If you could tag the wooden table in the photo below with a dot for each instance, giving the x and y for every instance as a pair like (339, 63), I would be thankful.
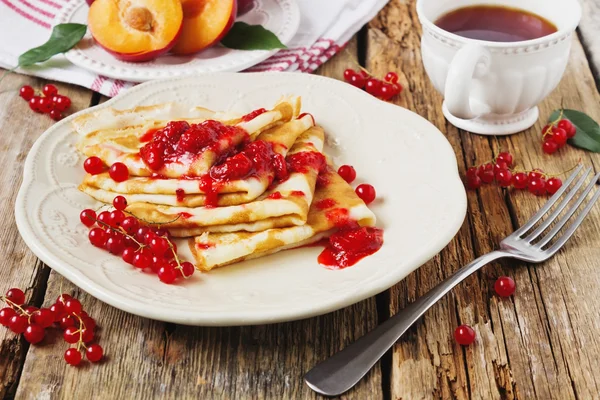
(542, 343)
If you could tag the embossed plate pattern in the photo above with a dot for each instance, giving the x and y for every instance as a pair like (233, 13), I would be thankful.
(421, 205)
(279, 16)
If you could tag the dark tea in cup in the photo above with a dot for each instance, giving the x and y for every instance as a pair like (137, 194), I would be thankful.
(495, 24)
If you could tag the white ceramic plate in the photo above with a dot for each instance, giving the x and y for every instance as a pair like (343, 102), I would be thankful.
(282, 17)
(421, 205)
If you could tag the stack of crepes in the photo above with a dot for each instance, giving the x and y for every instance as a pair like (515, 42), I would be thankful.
(235, 187)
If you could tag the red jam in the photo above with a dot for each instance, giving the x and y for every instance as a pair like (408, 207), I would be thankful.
(301, 162)
(349, 245)
(148, 135)
(253, 114)
(305, 114)
(325, 203)
(180, 195)
(204, 246)
(179, 139)
(185, 215)
(211, 189)
(275, 196)
(339, 216)
(297, 193)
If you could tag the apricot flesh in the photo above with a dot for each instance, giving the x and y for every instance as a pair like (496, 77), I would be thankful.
(205, 22)
(136, 31)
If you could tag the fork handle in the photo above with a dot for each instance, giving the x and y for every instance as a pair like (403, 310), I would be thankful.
(344, 369)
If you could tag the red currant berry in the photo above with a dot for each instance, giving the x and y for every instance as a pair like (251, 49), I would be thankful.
(552, 185)
(357, 81)
(62, 299)
(55, 115)
(98, 237)
(34, 104)
(116, 218)
(87, 335)
(16, 295)
(372, 86)
(49, 90)
(349, 73)
(104, 218)
(118, 172)
(93, 165)
(26, 92)
(391, 77)
(505, 157)
(44, 317)
(89, 323)
(158, 245)
(18, 323)
(128, 255)
(486, 173)
(472, 173)
(130, 224)
(167, 274)
(34, 333)
(66, 322)
(88, 217)
(141, 260)
(568, 126)
(559, 136)
(58, 310)
(45, 104)
(504, 286)
(187, 269)
(537, 186)
(536, 173)
(500, 166)
(31, 309)
(120, 203)
(162, 232)
(5, 315)
(520, 180)
(504, 178)
(347, 172)
(464, 335)
(73, 306)
(72, 356)
(61, 103)
(94, 353)
(473, 183)
(366, 192)
(549, 147)
(115, 244)
(386, 91)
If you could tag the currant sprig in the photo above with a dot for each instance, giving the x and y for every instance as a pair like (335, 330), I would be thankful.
(66, 313)
(556, 134)
(500, 170)
(137, 243)
(49, 101)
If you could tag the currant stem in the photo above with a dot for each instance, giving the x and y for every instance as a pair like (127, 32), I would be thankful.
(553, 123)
(120, 230)
(15, 305)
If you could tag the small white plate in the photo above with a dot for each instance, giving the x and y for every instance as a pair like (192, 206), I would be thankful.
(421, 204)
(281, 17)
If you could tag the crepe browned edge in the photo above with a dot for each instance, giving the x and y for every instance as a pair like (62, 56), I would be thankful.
(239, 214)
(337, 189)
(282, 137)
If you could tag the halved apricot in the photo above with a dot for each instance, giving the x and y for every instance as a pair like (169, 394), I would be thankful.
(136, 31)
(205, 22)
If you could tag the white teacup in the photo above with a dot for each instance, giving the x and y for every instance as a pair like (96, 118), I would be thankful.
(493, 88)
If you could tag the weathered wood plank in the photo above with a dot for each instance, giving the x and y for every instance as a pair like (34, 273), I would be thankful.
(528, 346)
(589, 33)
(149, 359)
(19, 127)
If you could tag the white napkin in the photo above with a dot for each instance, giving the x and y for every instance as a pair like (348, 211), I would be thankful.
(324, 29)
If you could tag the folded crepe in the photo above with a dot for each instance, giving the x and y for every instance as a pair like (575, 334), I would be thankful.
(198, 140)
(191, 192)
(335, 205)
(286, 204)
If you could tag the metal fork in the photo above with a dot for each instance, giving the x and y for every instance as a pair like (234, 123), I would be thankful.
(343, 370)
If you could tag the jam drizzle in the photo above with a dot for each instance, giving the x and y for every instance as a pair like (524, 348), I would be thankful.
(250, 116)
(325, 203)
(180, 195)
(349, 245)
(275, 196)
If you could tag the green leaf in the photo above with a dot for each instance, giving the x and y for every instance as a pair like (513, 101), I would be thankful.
(588, 130)
(63, 38)
(251, 37)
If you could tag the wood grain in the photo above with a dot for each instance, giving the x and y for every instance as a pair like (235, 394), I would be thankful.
(149, 359)
(588, 32)
(528, 346)
(19, 127)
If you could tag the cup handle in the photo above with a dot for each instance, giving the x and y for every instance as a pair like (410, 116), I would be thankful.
(471, 62)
